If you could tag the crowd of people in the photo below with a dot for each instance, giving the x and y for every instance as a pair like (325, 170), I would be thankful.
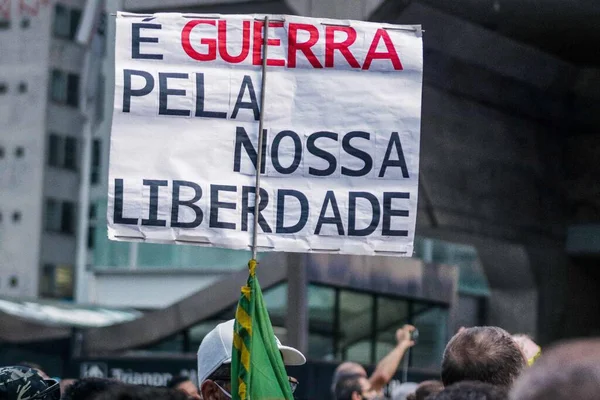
(479, 363)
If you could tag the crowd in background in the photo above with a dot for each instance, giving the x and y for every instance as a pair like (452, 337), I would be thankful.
(479, 363)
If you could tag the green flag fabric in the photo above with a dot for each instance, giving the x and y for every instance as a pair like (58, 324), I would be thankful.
(257, 369)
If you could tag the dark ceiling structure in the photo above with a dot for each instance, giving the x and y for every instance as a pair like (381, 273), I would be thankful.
(568, 29)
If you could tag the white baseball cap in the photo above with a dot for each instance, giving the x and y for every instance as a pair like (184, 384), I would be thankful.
(215, 350)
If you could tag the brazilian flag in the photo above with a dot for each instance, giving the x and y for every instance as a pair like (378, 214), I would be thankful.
(257, 370)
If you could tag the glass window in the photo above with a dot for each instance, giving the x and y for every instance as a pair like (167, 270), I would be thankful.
(58, 86)
(99, 112)
(54, 150)
(25, 23)
(16, 217)
(73, 90)
(61, 21)
(47, 280)
(276, 302)
(4, 24)
(63, 281)
(356, 326)
(74, 23)
(52, 215)
(3, 88)
(22, 87)
(321, 322)
(19, 151)
(96, 161)
(70, 161)
(432, 325)
(91, 238)
(67, 221)
(391, 315)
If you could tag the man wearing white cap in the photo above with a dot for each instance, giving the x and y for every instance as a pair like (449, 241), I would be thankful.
(214, 362)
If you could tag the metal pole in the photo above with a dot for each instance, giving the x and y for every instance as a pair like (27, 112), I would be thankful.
(259, 156)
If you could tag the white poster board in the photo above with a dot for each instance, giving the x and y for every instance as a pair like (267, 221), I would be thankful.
(342, 128)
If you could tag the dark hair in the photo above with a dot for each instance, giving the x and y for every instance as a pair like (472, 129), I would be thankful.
(176, 381)
(347, 385)
(486, 354)
(469, 390)
(426, 388)
(570, 370)
(135, 392)
(84, 389)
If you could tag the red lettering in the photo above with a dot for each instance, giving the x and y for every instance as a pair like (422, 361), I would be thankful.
(390, 54)
(223, 43)
(187, 46)
(294, 46)
(258, 43)
(343, 47)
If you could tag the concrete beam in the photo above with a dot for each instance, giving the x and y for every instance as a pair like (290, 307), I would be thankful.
(161, 324)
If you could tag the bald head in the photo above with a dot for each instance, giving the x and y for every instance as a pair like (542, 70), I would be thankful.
(570, 370)
(347, 369)
(486, 354)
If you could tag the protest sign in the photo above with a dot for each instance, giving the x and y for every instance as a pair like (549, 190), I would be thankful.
(341, 126)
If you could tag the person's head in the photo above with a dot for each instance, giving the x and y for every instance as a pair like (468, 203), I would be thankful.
(34, 366)
(184, 384)
(214, 362)
(19, 382)
(569, 370)
(471, 390)
(136, 392)
(354, 387)
(486, 354)
(345, 369)
(84, 389)
(426, 388)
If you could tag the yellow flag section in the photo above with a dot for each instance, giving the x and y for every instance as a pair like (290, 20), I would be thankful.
(257, 370)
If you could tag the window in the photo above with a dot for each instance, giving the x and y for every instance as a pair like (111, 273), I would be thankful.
(19, 152)
(1, 152)
(66, 22)
(22, 87)
(56, 281)
(74, 23)
(3, 88)
(61, 21)
(60, 216)
(54, 150)
(67, 221)
(58, 86)
(4, 24)
(96, 161)
(73, 90)
(99, 111)
(25, 23)
(16, 217)
(62, 152)
(64, 88)
(70, 161)
(13, 282)
(52, 222)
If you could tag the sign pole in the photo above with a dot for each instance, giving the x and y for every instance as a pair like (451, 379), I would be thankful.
(261, 121)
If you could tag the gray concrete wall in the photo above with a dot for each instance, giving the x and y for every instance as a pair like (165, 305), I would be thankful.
(494, 124)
